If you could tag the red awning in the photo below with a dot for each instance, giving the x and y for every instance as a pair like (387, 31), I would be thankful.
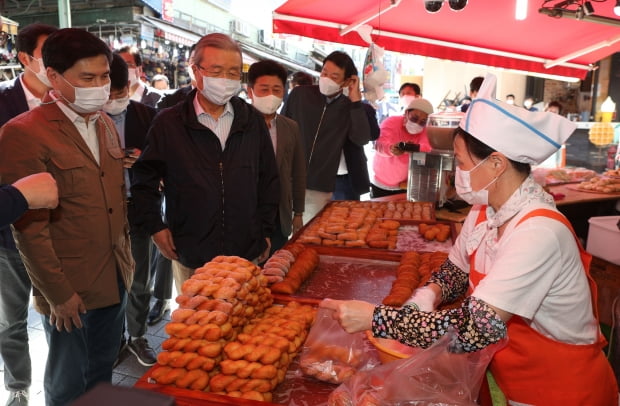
(485, 32)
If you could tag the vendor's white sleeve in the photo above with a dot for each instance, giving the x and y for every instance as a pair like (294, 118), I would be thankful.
(425, 298)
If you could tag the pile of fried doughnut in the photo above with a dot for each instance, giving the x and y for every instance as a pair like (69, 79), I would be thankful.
(600, 185)
(217, 304)
(352, 227)
(278, 265)
(305, 263)
(257, 360)
(430, 232)
(330, 363)
(413, 271)
(383, 234)
(405, 210)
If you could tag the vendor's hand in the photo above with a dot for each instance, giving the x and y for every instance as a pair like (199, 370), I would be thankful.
(131, 157)
(39, 190)
(354, 89)
(163, 240)
(298, 223)
(353, 315)
(265, 254)
(395, 150)
(66, 315)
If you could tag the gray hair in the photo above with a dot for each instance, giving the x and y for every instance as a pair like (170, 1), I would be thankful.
(214, 40)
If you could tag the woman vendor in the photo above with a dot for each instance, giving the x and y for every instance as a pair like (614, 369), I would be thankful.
(517, 258)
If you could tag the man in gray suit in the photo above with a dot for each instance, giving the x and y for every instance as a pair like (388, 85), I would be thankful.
(266, 87)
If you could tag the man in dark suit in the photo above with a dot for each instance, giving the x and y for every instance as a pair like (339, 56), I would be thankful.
(356, 181)
(266, 86)
(18, 96)
(327, 118)
(132, 120)
(138, 91)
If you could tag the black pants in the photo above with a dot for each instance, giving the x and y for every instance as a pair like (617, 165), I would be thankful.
(376, 191)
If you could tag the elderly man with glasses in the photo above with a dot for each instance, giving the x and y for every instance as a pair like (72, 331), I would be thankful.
(215, 157)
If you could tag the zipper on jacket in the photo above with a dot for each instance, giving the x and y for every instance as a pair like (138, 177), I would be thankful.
(223, 232)
(316, 135)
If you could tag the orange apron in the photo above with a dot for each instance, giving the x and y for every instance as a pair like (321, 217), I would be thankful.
(537, 370)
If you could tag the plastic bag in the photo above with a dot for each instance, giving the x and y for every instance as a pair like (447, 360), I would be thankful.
(331, 354)
(436, 376)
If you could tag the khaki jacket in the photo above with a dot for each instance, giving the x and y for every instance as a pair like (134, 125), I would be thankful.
(82, 245)
(291, 169)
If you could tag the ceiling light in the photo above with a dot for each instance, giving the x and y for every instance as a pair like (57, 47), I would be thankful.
(433, 6)
(457, 5)
(617, 8)
(521, 10)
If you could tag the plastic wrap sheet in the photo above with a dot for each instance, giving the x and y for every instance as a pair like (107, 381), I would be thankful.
(350, 278)
(409, 239)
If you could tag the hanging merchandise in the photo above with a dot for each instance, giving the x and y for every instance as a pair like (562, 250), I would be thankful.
(374, 74)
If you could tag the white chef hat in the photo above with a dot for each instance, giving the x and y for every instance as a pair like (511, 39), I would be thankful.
(522, 135)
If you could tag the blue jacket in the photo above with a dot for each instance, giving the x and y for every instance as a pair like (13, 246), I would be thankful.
(12, 103)
(13, 205)
(217, 202)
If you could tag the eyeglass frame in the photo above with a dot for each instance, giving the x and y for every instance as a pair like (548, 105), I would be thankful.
(218, 72)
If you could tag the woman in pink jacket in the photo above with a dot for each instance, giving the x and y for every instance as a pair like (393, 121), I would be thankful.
(390, 163)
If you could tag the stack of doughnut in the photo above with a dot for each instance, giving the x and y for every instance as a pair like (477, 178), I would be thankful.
(339, 226)
(356, 225)
(439, 231)
(305, 263)
(278, 265)
(257, 361)
(413, 271)
(383, 234)
(220, 298)
(330, 363)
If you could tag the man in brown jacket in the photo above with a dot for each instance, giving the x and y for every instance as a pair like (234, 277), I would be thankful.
(77, 255)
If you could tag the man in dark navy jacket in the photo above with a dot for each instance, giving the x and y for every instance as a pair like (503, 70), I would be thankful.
(219, 171)
(16, 97)
(132, 121)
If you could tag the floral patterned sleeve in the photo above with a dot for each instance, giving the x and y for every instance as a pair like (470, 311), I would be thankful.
(476, 323)
(452, 280)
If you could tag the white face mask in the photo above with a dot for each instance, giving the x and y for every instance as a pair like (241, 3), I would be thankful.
(41, 74)
(133, 76)
(267, 104)
(219, 90)
(413, 128)
(406, 100)
(327, 86)
(88, 99)
(116, 106)
(462, 183)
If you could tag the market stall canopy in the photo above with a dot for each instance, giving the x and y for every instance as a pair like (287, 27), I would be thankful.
(9, 26)
(485, 32)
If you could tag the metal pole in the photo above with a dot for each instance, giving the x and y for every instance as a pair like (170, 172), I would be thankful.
(64, 13)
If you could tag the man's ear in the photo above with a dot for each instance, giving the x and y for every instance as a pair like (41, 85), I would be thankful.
(23, 57)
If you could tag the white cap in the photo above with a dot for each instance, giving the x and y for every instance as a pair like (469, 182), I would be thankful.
(422, 105)
(521, 135)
